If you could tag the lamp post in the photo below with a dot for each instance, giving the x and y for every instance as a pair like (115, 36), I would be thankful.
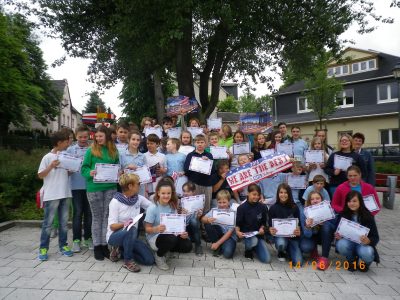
(396, 74)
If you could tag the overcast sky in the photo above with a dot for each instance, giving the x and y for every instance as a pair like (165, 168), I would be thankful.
(386, 38)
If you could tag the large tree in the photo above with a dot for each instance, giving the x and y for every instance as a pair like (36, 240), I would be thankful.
(95, 103)
(25, 87)
(214, 39)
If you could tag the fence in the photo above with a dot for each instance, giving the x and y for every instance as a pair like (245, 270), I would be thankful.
(24, 143)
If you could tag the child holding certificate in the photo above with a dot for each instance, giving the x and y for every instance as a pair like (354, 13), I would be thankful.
(122, 227)
(131, 158)
(219, 181)
(186, 142)
(238, 138)
(364, 249)
(276, 138)
(102, 151)
(56, 191)
(240, 195)
(251, 220)
(175, 160)
(165, 202)
(314, 168)
(223, 238)
(155, 161)
(260, 143)
(285, 208)
(226, 136)
(122, 136)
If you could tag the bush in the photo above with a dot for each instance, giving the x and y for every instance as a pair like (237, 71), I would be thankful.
(387, 167)
(18, 180)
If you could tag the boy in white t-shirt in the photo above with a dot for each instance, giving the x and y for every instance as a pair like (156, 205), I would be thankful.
(56, 189)
(155, 160)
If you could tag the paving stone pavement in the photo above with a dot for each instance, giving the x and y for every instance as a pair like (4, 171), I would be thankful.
(22, 276)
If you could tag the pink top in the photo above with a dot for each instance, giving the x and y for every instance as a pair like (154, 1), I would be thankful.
(343, 189)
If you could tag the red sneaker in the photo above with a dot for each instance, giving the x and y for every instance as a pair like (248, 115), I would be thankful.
(322, 263)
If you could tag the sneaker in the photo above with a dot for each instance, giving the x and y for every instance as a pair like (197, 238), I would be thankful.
(43, 254)
(53, 233)
(76, 246)
(66, 251)
(88, 244)
(161, 263)
(322, 263)
(98, 253)
(114, 254)
(248, 254)
(198, 249)
(281, 256)
(131, 266)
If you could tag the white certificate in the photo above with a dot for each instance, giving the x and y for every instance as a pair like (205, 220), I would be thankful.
(219, 152)
(351, 230)
(134, 221)
(153, 130)
(234, 206)
(174, 132)
(314, 156)
(179, 182)
(342, 162)
(80, 151)
(195, 131)
(285, 227)
(267, 152)
(186, 149)
(241, 148)
(250, 234)
(214, 124)
(285, 148)
(143, 173)
(106, 173)
(319, 212)
(370, 203)
(223, 216)
(297, 181)
(174, 223)
(69, 162)
(193, 203)
(204, 166)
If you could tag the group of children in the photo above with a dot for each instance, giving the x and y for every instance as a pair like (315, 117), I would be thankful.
(115, 211)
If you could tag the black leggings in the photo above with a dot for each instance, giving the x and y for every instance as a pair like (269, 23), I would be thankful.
(171, 242)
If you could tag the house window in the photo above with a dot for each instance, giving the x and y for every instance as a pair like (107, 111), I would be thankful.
(363, 66)
(346, 98)
(388, 92)
(338, 71)
(389, 137)
(72, 123)
(302, 105)
(340, 133)
(67, 121)
(63, 120)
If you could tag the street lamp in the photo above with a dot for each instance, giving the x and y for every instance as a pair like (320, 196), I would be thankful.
(396, 74)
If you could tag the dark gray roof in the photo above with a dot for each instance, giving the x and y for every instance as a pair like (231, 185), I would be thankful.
(386, 62)
(228, 116)
(341, 113)
(59, 85)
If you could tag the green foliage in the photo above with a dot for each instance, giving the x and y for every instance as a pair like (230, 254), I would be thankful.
(387, 167)
(18, 181)
(25, 87)
(95, 103)
(250, 104)
(321, 91)
(229, 104)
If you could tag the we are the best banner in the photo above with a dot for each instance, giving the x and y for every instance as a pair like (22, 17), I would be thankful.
(258, 170)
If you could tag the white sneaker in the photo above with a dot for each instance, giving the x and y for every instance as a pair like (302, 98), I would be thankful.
(161, 262)
(76, 246)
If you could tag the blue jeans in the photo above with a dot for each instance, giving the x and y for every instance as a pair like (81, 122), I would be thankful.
(81, 209)
(291, 246)
(350, 250)
(301, 211)
(50, 208)
(214, 233)
(323, 237)
(133, 248)
(193, 228)
(258, 244)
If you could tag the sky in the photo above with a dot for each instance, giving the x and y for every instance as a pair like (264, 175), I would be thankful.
(386, 38)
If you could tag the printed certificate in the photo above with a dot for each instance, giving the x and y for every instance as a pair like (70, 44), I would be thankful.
(204, 166)
(285, 148)
(194, 131)
(342, 162)
(223, 216)
(174, 223)
(214, 124)
(370, 203)
(351, 230)
(297, 181)
(193, 203)
(219, 152)
(69, 162)
(153, 130)
(106, 173)
(241, 148)
(267, 152)
(319, 213)
(314, 156)
(174, 132)
(250, 234)
(143, 173)
(134, 221)
(186, 149)
(285, 227)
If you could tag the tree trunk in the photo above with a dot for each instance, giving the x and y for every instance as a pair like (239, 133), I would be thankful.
(158, 96)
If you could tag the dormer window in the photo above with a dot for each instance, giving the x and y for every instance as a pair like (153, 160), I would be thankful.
(363, 66)
(338, 71)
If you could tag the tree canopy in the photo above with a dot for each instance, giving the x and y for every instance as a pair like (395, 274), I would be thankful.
(229, 104)
(94, 103)
(25, 87)
(251, 104)
(214, 39)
